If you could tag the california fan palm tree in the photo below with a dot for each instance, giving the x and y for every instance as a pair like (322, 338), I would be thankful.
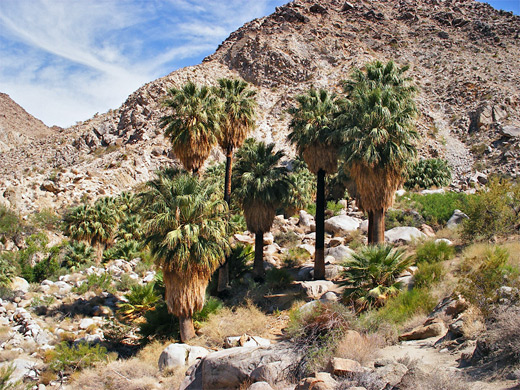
(186, 230)
(377, 130)
(237, 119)
(311, 130)
(193, 124)
(261, 185)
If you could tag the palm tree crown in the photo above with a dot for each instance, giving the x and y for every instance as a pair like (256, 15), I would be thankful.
(193, 124)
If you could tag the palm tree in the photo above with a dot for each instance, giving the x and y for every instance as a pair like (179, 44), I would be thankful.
(311, 131)
(371, 274)
(237, 120)
(186, 229)
(377, 131)
(261, 186)
(192, 126)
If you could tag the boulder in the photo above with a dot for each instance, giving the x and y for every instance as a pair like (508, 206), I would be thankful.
(316, 288)
(339, 253)
(245, 341)
(329, 297)
(434, 329)
(389, 375)
(309, 248)
(229, 368)
(306, 220)
(364, 226)
(19, 284)
(344, 367)
(244, 239)
(183, 355)
(456, 219)
(320, 381)
(427, 229)
(445, 240)
(510, 131)
(342, 224)
(260, 386)
(403, 234)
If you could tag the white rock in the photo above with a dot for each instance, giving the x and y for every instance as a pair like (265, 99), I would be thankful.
(316, 288)
(305, 219)
(309, 248)
(175, 355)
(363, 226)
(19, 284)
(86, 322)
(403, 234)
(456, 219)
(149, 277)
(244, 239)
(448, 242)
(342, 224)
(400, 192)
(268, 238)
(437, 191)
(329, 297)
(339, 253)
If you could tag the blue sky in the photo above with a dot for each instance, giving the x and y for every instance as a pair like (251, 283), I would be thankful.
(65, 60)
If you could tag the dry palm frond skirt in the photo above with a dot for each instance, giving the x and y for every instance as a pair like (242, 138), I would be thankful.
(259, 216)
(321, 156)
(375, 187)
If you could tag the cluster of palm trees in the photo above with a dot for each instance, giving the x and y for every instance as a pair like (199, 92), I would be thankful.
(367, 132)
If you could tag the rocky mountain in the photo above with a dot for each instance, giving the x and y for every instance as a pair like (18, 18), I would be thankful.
(17, 127)
(463, 56)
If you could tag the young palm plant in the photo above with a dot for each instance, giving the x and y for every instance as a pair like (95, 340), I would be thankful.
(311, 131)
(376, 128)
(370, 275)
(192, 125)
(261, 186)
(186, 230)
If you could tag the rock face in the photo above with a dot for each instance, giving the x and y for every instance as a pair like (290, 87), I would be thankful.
(463, 56)
(229, 368)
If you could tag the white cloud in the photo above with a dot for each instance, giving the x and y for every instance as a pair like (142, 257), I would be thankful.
(64, 60)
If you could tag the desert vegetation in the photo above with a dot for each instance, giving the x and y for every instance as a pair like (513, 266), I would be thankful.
(214, 255)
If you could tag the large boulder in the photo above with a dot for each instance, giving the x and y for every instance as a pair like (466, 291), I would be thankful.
(342, 224)
(456, 219)
(403, 234)
(339, 253)
(316, 288)
(230, 368)
(19, 284)
(183, 355)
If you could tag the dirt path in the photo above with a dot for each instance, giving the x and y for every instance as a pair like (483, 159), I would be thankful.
(430, 359)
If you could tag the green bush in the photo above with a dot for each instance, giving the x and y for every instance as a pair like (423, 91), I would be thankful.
(482, 277)
(370, 275)
(428, 173)
(46, 219)
(10, 223)
(67, 358)
(432, 252)
(287, 239)
(7, 268)
(211, 306)
(77, 254)
(334, 207)
(493, 212)
(395, 218)
(428, 274)
(97, 283)
(239, 260)
(296, 257)
(125, 283)
(159, 324)
(140, 299)
(278, 278)
(437, 209)
(126, 250)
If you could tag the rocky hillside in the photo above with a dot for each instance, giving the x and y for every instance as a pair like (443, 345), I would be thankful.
(463, 56)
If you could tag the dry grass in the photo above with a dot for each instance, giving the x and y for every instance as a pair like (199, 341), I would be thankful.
(247, 319)
(151, 352)
(435, 380)
(473, 324)
(358, 347)
(5, 334)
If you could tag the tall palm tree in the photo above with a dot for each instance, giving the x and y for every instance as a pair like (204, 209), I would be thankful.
(186, 230)
(377, 131)
(261, 186)
(238, 106)
(311, 131)
(192, 125)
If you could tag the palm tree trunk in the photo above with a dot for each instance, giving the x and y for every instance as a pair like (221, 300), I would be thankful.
(379, 227)
(258, 266)
(223, 272)
(319, 255)
(186, 328)
(370, 227)
(99, 253)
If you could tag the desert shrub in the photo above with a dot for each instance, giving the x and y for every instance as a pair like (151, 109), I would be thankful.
(359, 347)
(483, 275)
(125, 283)
(287, 239)
(428, 274)
(46, 219)
(494, 211)
(239, 260)
(334, 207)
(428, 173)
(10, 223)
(438, 208)
(211, 306)
(126, 250)
(278, 278)
(394, 218)
(503, 337)
(77, 254)
(296, 257)
(317, 332)
(159, 324)
(139, 300)
(235, 321)
(432, 252)
(96, 283)
(6, 383)
(370, 275)
(67, 358)
(401, 308)
(7, 268)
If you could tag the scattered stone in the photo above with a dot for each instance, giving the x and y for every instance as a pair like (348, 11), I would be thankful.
(510, 131)
(340, 253)
(175, 355)
(316, 288)
(434, 329)
(342, 224)
(344, 367)
(403, 234)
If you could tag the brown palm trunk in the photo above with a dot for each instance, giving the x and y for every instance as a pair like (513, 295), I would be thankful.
(99, 253)
(379, 227)
(370, 227)
(258, 266)
(223, 271)
(319, 255)
(186, 328)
